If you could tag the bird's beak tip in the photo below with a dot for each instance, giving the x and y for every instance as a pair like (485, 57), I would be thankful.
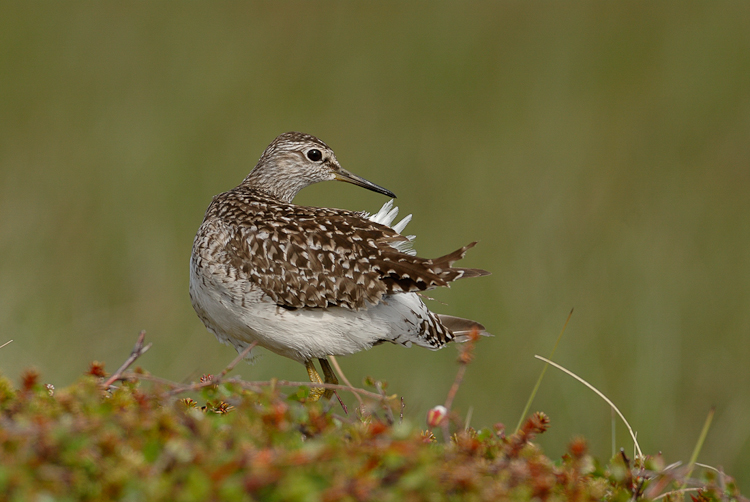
(344, 175)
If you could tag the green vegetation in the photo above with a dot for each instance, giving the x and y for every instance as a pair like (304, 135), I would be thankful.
(144, 439)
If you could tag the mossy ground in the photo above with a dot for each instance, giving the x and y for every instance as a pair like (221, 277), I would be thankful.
(143, 440)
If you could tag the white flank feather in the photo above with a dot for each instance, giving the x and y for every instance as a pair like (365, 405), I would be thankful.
(385, 216)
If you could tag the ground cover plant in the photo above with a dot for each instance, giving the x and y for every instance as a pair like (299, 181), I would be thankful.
(131, 435)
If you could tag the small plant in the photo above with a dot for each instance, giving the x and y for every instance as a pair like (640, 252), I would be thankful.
(135, 436)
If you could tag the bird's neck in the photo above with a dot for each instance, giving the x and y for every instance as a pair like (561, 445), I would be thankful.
(276, 185)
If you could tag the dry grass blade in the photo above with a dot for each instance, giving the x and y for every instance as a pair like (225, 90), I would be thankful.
(710, 468)
(6, 343)
(541, 375)
(676, 492)
(467, 421)
(584, 382)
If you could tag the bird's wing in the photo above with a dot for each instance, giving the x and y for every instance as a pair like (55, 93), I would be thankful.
(317, 258)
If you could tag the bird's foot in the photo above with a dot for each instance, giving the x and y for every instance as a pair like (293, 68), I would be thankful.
(330, 377)
(314, 376)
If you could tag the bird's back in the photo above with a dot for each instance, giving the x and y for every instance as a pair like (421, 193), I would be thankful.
(309, 257)
(307, 282)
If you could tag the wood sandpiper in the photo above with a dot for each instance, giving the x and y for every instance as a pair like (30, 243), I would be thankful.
(310, 282)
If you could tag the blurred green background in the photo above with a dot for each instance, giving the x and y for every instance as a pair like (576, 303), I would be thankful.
(599, 151)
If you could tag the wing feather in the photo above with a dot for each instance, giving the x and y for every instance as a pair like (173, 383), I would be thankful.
(304, 257)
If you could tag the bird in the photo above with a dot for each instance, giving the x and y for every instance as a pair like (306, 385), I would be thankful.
(311, 282)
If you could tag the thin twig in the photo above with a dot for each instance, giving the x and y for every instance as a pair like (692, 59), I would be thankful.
(288, 383)
(464, 358)
(336, 366)
(341, 402)
(446, 430)
(208, 382)
(214, 380)
(467, 352)
(584, 382)
(445, 423)
(6, 343)
(454, 388)
(388, 411)
(237, 359)
(137, 352)
(178, 388)
(132, 376)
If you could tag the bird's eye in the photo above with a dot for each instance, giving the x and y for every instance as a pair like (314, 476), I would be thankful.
(314, 155)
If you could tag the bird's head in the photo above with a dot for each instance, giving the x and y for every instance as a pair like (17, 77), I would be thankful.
(294, 161)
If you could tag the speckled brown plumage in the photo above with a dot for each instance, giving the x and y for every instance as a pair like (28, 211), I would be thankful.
(307, 282)
(318, 257)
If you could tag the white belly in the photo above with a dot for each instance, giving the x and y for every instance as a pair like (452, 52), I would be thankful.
(239, 314)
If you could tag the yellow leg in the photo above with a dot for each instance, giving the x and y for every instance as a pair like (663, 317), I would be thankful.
(330, 377)
(314, 376)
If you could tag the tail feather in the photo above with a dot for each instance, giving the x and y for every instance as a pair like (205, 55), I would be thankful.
(443, 266)
(472, 272)
(461, 327)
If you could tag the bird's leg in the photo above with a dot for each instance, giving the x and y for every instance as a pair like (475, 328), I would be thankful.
(314, 376)
(330, 377)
